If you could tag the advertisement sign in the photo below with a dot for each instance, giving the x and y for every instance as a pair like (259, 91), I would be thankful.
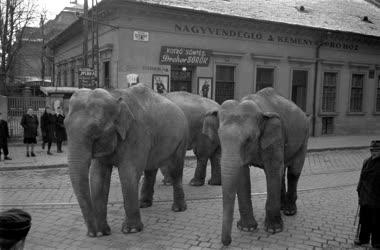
(185, 56)
(87, 78)
(141, 36)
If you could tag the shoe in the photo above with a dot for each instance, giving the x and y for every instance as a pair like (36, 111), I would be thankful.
(359, 243)
(27, 154)
(32, 154)
(7, 158)
(49, 153)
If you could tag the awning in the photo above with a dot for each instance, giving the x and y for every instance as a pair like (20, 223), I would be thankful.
(58, 90)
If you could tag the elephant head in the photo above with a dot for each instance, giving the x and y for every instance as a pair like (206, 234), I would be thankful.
(244, 132)
(95, 123)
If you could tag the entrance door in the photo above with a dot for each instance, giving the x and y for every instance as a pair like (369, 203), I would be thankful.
(299, 87)
(225, 83)
(181, 78)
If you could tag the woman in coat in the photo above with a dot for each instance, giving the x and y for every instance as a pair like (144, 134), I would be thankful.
(29, 122)
(60, 131)
(48, 123)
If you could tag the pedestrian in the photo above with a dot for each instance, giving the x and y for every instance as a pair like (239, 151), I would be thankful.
(14, 227)
(48, 124)
(4, 135)
(29, 122)
(60, 131)
(369, 199)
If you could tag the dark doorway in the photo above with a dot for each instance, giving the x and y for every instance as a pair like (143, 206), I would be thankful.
(299, 87)
(181, 77)
(225, 83)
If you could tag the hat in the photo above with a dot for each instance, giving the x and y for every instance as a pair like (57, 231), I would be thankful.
(375, 145)
(14, 224)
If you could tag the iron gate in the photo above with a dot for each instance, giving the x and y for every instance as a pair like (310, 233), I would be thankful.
(17, 106)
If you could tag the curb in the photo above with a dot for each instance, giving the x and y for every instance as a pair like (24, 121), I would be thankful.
(190, 157)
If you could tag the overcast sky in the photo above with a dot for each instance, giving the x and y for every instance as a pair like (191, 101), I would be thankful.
(53, 7)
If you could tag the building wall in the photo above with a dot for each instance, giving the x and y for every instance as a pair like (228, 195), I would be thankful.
(247, 46)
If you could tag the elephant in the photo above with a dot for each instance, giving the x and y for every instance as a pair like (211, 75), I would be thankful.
(135, 130)
(270, 132)
(203, 139)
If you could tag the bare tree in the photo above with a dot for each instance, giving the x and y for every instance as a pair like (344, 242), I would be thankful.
(15, 15)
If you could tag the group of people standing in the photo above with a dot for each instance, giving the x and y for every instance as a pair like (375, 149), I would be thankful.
(52, 129)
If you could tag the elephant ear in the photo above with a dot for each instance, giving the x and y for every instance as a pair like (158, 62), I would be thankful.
(124, 119)
(272, 130)
(211, 125)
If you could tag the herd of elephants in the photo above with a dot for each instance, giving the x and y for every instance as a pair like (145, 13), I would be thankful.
(139, 131)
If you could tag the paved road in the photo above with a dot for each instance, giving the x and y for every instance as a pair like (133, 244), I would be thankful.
(327, 205)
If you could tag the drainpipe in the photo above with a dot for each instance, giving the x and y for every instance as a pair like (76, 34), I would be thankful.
(316, 69)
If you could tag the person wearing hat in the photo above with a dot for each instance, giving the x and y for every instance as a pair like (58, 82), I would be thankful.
(14, 226)
(4, 135)
(369, 199)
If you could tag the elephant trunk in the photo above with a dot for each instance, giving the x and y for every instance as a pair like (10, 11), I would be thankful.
(231, 164)
(79, 159)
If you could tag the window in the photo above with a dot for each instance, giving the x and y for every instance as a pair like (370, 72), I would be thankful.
(72, 77)
(65, 78)
(299, 83)
(107, 76)
(225, 83)
(329, 91)
(327, 125)
(59, 78)
(378, 94)
(356, 99)
(264, 78)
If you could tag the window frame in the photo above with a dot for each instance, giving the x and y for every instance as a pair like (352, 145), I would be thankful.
(308, 84)
(377, 92)
(268, 66)
(235, 80)
(365, 76)
(337, 89)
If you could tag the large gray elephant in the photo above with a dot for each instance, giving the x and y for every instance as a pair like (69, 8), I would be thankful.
(267, 131)
(204, 142)
(135, 130)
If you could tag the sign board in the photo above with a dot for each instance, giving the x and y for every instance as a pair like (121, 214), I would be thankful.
(87, 78)
(140, 36)
(185, 56)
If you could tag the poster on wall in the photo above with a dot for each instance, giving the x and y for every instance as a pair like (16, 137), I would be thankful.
(205, 87)
(160, 83)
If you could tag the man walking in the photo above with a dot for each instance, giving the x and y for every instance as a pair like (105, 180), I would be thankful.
(369, 199)
(4, 135)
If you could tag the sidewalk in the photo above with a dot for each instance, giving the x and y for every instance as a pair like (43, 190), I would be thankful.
(42, 160)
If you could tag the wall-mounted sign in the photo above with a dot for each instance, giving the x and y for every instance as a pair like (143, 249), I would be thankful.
(140, 36)
(87, 78)
(184, 56)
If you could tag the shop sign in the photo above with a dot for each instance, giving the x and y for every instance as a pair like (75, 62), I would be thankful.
(87, 78)
(184, 56)
(140, 36)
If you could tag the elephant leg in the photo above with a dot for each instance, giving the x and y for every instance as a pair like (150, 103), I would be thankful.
(147, 189)
(200, 172)
(100, 179)
(216, 178)
(293, 175)
(247, 220)
(283, 191)
(274, 167)
(129, 179)
(176, 172)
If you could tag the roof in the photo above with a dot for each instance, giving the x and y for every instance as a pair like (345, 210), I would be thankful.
(336, 15)
(32, 34)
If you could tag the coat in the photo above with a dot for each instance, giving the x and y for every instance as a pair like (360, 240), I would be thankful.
(48, 123)
(369, 183)
(30, 125)
(60, 131)
(4, 133)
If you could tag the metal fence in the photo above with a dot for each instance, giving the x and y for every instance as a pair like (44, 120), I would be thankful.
(17, 106)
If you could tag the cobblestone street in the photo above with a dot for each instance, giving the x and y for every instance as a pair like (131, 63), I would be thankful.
(327, 204)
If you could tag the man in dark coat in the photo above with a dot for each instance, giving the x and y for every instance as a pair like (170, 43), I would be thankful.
(29, 122)
(369, 199)
(60, 131)
(14, 227)
(48, 124)
(4, 135)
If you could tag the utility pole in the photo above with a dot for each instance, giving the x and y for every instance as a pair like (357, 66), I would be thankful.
(92, 36)
(85, 33)
(42, 20)
(97, 45)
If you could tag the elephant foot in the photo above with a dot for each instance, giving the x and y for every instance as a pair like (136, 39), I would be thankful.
(247, 226)
(104, 231)
(128, 228)
(91, 230)
(197, 182)
(226, 240)
(215, 182)
(145, 203)
(274, 225)
(290, 209)
(179, 206)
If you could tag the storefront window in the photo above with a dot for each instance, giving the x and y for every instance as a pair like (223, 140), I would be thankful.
(72, 77)
(59, 78)
(264, 78)
(106, 74)
(225, 83)
(65, 78)
(181, 78)
(378, 94)
(329, 91)
(356, 99)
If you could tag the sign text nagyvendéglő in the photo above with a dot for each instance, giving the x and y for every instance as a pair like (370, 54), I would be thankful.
(259, 36)
(184, 56)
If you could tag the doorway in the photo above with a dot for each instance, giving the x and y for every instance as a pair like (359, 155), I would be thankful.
(299, 87)
(181, 77)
